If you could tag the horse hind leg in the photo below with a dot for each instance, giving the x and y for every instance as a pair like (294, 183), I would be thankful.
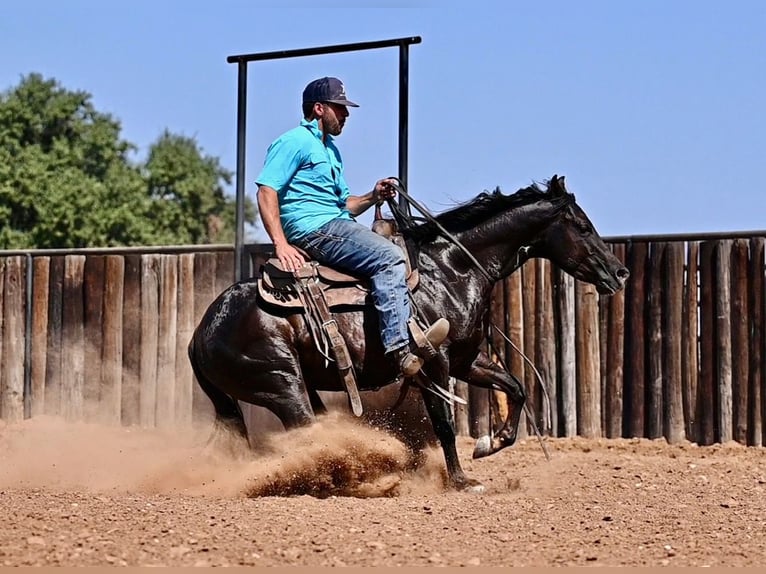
(229, 421)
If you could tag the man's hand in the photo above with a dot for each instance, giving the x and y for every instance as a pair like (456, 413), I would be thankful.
(290, 258)
(384, 190)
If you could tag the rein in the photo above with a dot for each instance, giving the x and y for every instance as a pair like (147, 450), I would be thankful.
(521, 256)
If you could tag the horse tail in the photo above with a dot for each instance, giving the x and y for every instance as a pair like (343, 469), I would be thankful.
(228, 414)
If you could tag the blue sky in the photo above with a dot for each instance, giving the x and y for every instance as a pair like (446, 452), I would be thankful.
(654, 110)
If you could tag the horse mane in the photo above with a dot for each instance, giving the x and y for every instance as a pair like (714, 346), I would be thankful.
(487, 204)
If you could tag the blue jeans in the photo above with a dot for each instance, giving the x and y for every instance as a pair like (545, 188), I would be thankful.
(351, 247)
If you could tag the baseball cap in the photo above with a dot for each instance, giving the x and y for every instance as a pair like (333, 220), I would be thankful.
(327, 90)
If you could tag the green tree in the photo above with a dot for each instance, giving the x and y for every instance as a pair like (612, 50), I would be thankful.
(187, 188)
(66, 178)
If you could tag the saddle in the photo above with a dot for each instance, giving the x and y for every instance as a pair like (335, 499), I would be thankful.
(319, 291)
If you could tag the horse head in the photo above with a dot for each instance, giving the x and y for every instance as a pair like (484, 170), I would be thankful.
(571, 242)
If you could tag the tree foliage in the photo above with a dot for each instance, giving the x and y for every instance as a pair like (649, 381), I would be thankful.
(67, 180)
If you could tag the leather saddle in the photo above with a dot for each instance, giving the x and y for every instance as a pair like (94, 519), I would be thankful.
(279, 287)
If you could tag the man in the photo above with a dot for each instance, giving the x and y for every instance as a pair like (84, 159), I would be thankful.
(305, 206)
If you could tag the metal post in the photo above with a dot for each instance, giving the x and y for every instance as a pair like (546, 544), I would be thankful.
(241, 265)
(239, 238)
(404, 84)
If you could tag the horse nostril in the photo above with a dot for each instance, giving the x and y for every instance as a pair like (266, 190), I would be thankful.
(623, 274)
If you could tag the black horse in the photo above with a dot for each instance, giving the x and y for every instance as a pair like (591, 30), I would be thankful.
(244, 350)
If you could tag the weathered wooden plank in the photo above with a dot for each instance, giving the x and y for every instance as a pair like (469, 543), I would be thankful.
(13, 331)
(93, 308)
(516, 335)
(706, 389)
(224, 270)
(635, 350)
(723, 341)
(110, 396)
(690, 341)
(528, 287)
(183, 372)
(567, 353)
(672, 313)
(756, 380)
(497, 351)
(615, 356)
(150, 284)
(462, 423)
(53, 364)
(73, 339)
(130, 391)
(546, 347)
(603, 327)
(478, 411)
(166, 344)
(588, 361)
(2, 306)
(41, 279)
(655, 279)
(740, 338)
(204, 293)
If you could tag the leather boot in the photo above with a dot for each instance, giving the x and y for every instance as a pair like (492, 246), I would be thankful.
(410, 360)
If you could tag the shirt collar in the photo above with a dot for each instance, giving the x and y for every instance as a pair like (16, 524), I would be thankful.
(313, 127)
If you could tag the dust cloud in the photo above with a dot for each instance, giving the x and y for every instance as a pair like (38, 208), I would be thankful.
(337, 456)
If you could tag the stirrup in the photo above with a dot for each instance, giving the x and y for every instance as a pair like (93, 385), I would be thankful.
(427, 342)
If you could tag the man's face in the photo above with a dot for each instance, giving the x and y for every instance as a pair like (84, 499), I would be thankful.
(333, 117)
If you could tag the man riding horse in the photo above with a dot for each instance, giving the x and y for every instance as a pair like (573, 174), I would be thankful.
(307, 210)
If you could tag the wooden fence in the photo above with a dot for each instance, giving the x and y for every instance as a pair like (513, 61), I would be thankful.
(678, 354)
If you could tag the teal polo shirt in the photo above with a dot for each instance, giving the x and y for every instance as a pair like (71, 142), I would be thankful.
(308, 178)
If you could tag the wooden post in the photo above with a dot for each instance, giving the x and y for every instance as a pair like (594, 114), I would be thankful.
(546, 347)
(634, 341)
(614, 357)
(654, 405)
(673, 411)
(204, 294)
(497, 353)
(723, 341)
(93, 308)
(53, 363)
(567, 353)
(73, 339)
(13, 330)
(41, 266)
(528, 286)
(131, 342)
(706, 389)
(150, 271)
(111, 358)
(516, 335)
(166, 344)
(690, 342)
(756, 379)
(588, 361)
(184, 377)
(2, 306)
(462, 420)
(740, 338)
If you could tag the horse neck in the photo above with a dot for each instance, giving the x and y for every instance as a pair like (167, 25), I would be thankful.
(496, 242)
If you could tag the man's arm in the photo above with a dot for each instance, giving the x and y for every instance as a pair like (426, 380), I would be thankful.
(383, 190)
(268, 207)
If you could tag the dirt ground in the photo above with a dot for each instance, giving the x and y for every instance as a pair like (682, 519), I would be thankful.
(77, 494)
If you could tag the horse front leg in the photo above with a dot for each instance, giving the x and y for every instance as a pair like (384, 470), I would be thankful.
(483, 372)
(441, 419)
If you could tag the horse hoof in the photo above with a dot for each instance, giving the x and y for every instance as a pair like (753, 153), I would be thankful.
(483, 447)
(474, 488)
